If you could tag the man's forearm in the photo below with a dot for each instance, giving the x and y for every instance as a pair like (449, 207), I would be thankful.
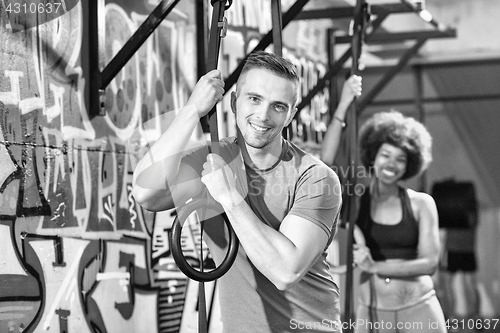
(165, 154)
(174, 140)
(156, 175)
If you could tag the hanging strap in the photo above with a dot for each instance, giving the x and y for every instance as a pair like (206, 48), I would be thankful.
(218, 30)
(372, 310)
(351, 210)
(277, 27)
(202, 303)
(278, 38)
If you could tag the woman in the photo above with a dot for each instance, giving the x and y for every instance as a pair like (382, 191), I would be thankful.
(397, 236)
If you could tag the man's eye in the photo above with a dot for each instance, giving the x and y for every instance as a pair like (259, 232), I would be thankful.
(280, 108)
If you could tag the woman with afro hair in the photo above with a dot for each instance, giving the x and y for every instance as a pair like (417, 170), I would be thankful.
(396, 232)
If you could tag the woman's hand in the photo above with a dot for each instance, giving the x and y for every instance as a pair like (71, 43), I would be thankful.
(362, 258)
(352, 88)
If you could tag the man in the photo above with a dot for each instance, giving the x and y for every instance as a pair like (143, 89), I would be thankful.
(282, 203)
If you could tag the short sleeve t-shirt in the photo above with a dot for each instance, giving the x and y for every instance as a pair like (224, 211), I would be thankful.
(297, 184)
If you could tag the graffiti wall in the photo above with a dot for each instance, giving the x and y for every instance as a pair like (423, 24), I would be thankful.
(77, 253)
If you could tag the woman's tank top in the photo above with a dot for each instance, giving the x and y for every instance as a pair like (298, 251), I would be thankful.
(398, 241)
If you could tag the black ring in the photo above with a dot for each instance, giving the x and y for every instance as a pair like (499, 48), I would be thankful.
(175, 243)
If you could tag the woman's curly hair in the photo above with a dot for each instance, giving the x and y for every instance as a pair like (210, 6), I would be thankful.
(400, 131)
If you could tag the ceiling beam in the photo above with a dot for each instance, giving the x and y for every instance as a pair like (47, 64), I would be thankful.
(441, 99)
(396, 37)
(348, 12)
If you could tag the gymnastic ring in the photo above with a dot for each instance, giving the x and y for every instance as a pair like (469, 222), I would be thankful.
(175, 241)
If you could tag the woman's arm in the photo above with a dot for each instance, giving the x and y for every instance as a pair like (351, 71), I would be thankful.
(360, 240)
(351, 89)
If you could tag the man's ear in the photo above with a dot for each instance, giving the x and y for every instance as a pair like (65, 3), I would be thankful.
(233, 102)
(291, 116)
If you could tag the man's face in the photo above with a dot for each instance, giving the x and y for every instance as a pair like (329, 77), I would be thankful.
(264, 104)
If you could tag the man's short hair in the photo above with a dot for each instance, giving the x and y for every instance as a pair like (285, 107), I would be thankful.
(271, 62)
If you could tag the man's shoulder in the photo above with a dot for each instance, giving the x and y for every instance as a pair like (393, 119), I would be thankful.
(227, 148)
(307, 161)
(297, 151)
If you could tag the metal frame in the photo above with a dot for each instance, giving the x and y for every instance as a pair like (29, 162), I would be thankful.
(383, 11)
(368, 97)
(425, 66)
(348, 11)
(93, 46)
(93, 43)
(335, 69)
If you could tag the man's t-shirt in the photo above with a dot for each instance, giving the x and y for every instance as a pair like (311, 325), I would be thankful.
(297, 184)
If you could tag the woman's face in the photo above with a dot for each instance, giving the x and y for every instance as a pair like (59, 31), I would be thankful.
(390, 163)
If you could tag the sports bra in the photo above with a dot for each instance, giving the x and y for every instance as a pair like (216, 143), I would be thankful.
(398, 241)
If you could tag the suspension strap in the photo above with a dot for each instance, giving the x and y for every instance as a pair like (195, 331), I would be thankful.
(218, 30)
(277, 26)
(351, 209)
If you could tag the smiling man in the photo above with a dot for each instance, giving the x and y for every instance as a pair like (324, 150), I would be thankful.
(282, 202)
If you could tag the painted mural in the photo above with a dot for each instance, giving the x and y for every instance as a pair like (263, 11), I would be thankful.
(77, 253)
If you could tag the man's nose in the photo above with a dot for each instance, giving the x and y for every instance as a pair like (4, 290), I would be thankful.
(263, 111)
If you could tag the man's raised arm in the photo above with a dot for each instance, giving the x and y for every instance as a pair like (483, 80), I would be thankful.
(159, 182)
